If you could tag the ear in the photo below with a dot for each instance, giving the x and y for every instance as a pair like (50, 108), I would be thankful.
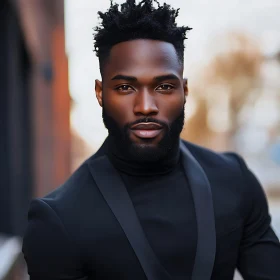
(98, 91)
(186, 89)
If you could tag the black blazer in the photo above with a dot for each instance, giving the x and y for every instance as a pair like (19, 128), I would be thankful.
(88, 228)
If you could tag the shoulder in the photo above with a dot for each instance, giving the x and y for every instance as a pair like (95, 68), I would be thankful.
(48, 248)
(232, 181)
(228, 162)
(209, 158)
(72, 188)
(78, 183)
(63, 198)
(230, 173)
(54, 216)
(76, 196)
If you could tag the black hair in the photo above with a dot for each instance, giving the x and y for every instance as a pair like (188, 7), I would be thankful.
(130, 21)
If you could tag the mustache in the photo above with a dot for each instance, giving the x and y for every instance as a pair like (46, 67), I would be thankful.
(149, 120)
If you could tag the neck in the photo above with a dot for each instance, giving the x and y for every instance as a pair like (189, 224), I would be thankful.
(126, 164)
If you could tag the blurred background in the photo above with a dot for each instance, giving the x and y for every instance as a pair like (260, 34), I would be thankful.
(50, 121)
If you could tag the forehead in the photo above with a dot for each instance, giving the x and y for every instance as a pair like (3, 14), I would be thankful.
(139, 57)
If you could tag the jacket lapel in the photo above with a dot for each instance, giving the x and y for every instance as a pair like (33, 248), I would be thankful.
(203, 203)
(114, 192)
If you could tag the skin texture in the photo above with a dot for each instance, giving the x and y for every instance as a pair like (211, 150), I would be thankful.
(143, 79)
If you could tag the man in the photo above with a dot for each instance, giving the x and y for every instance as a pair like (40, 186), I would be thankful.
(148, 205)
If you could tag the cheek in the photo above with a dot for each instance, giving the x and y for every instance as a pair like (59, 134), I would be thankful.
(119, 108)
(172, 106)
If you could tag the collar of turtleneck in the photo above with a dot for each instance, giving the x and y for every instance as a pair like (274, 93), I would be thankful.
(134, 168)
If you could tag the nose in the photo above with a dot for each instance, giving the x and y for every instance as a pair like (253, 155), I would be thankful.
(145, 104)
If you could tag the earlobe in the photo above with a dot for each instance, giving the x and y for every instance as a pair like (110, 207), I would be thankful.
(186, 89)
(98, 91)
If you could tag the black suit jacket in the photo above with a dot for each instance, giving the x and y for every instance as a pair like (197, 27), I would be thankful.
(88, 228)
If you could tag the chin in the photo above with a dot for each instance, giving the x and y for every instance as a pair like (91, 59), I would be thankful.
(146, 146)
(146, 152)
(146, 142)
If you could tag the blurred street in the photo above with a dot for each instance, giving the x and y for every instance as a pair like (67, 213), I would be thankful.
(275, 213)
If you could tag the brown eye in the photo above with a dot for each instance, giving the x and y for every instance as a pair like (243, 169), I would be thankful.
(165, 87)
(124, 88)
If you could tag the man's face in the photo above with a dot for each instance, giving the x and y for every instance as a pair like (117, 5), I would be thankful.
(143, 96)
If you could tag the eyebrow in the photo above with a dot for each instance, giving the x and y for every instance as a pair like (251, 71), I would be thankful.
(124, 77)
(158, 78)
(166, 77)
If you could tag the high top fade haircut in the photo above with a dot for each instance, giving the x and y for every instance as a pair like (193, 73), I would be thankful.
(131, 21)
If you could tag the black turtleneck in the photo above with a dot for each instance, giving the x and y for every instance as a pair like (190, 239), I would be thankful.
(163, 202)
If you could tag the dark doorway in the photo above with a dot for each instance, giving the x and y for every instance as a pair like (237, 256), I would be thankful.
(16, 178)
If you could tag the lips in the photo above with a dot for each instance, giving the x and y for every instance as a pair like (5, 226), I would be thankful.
(146, 130)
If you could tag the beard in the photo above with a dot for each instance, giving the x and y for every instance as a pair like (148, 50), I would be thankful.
(146, 151)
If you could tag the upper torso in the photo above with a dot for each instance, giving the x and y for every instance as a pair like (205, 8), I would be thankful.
(165, 211)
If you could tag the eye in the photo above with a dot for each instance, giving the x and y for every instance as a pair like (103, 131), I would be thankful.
(124, 88)
(165, 87)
